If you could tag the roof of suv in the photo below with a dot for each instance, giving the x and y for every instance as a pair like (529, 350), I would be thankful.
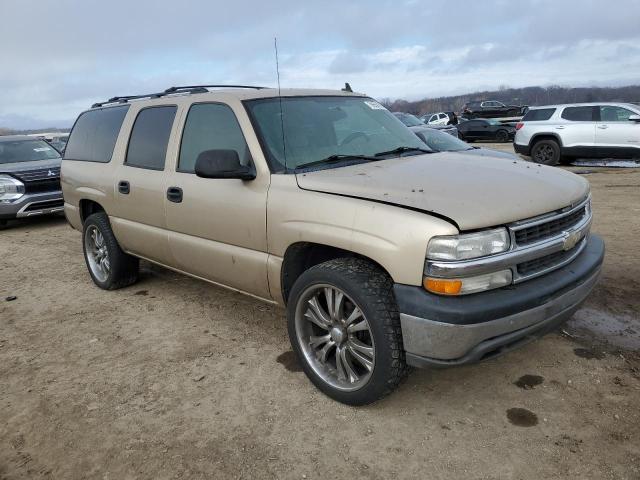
(239, 93)
(585, 104)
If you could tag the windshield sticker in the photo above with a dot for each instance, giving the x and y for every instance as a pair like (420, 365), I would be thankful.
(41, 149)
(374, 105)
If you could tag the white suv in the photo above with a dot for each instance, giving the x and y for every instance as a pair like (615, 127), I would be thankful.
(555, 132)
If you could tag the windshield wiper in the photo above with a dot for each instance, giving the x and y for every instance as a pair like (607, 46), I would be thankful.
(335, 159)
(400, 150)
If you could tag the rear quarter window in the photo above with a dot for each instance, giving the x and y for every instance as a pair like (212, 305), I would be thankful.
(94, 134)
(538, 115)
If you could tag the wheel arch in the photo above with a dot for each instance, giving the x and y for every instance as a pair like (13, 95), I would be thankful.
(88, 207)
(544, 136)
(301, 256)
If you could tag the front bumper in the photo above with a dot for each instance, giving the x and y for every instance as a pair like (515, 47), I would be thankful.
(447, 331)
(33, 204)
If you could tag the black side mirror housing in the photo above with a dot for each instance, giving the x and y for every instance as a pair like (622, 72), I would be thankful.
(222, 164)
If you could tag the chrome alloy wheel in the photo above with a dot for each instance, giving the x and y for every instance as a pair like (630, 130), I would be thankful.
(97, 253)
(335, 337)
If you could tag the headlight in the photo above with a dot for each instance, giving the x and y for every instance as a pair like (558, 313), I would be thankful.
(468, 245)
(10, 188)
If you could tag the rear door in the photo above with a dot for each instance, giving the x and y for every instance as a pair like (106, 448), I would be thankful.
(577, 127)
(139, 217)
(217, 227)
(615, 133)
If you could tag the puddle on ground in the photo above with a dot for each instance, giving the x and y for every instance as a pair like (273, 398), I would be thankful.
(521, 417)
(527, 382)
(588, 354)
(619, 330)
(289, 361)
(606, 163)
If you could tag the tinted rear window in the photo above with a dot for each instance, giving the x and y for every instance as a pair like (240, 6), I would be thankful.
(150, 137)
(94, 135)
(538, 114)
(578, 114)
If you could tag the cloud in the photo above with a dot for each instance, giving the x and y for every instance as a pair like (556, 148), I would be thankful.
(59, 57)
(347, 62)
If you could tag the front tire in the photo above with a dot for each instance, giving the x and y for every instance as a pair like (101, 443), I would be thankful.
(110, 268)
(344, 326)
(546, 152)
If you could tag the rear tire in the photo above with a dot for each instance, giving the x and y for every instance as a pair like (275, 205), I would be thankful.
(353, 351)
(546, 152)
(110, 268)
(502, 136)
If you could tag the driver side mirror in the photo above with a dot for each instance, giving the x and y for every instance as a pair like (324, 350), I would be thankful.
(222, 164)
(634, 118)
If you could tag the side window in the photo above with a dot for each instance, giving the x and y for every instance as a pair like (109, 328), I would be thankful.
(210, 126)
(539, 114)
(578, 114)
(610, 113)
(150, 137)
(94, 134)
(442, 115)
(433, 118)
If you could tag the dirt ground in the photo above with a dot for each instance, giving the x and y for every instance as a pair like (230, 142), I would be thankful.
(175, 378)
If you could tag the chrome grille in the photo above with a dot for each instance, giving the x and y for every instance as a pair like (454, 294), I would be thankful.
(547, 262)
(39, 174)
(542, 231)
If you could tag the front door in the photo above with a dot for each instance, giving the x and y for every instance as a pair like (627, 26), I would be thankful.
(217, 227)
(139, 218)
(616, 135)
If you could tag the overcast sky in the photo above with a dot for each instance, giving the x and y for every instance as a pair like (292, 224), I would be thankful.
(59, 56)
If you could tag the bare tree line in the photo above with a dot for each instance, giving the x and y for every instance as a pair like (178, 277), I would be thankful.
(519, 96)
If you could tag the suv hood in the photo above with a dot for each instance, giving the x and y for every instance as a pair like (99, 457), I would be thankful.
(26, 166)
(473, 193)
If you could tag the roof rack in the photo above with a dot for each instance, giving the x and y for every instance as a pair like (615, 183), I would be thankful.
(188, 89)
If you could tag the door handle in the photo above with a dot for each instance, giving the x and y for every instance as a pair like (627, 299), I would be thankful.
(174, 194)
(124, 187)
(559, 128)
(603, 127)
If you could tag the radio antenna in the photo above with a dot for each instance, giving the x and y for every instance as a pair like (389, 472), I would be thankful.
(284, 146)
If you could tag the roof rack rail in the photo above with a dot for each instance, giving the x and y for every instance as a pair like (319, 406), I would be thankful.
(126, 98)
(189, 89)
(203, 88)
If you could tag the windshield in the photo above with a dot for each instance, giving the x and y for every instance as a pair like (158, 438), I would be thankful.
(316, 128)
(12, 151)
(442, 142)
(409, 120)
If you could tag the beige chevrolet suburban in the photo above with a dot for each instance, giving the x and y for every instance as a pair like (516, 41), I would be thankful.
(385, 254)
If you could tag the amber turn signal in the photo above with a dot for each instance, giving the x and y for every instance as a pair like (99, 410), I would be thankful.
(442, 286)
